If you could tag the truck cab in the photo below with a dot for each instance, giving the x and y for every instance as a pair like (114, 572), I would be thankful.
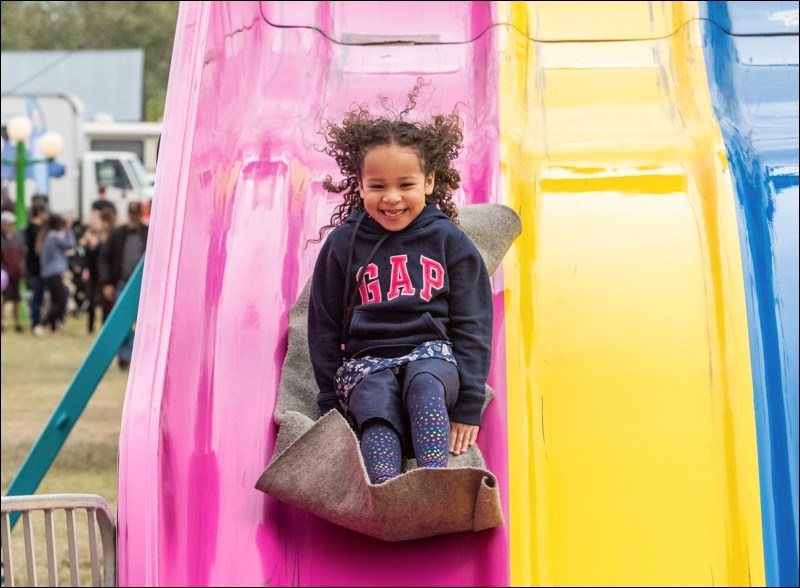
(124, 177)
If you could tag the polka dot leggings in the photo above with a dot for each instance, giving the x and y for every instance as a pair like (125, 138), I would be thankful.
(430, 433)
(380, 447)
(430, 425)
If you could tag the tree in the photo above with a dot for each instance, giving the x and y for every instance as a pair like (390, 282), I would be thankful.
(64, 26)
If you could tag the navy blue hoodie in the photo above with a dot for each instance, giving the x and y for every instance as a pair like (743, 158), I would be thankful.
(427, 282)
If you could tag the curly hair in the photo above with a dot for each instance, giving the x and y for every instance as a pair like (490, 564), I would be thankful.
(437, 141)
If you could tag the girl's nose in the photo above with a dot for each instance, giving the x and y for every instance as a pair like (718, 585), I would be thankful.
(392, 196)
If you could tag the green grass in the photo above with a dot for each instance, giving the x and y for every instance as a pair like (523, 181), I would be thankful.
(35, 373)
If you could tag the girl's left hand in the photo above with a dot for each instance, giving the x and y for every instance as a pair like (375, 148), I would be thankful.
(462, 437)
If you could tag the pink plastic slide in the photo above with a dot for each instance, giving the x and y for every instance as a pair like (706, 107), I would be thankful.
(238, 196)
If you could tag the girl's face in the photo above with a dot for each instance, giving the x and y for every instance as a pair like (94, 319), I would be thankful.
(393, 186)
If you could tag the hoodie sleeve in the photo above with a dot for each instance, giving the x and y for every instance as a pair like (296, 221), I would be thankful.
(324, 324)
(470, 329)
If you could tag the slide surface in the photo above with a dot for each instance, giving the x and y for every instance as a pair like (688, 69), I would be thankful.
(752, 54)
(644, 354)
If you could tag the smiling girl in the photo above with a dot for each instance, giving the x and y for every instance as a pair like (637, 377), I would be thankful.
(400, 309)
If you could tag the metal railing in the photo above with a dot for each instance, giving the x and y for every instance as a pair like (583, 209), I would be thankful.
(102, 551)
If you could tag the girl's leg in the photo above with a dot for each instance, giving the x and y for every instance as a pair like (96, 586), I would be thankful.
(430, 424)
(380, 447)
(15, 314)
(36, 285)
(107, 306)
(62, 311)
(49, 317)
(92, 296)
(57, 302)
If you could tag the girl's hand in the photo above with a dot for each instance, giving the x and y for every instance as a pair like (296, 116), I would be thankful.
(462, 437)
(108, 292)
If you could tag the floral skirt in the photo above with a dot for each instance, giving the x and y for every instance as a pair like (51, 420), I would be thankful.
(353, 372)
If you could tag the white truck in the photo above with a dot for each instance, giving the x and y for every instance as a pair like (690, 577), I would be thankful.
(141, 138)
(121, 170)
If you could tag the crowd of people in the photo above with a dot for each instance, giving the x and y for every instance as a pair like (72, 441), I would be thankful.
(56, 266)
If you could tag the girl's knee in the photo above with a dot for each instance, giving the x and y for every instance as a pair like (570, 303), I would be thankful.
(424, 386)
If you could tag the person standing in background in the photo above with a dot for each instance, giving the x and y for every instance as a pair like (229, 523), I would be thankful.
(102, 202)
(100, 227)
(116, 262)
(12, 258)
(52, 244)
(37, 216)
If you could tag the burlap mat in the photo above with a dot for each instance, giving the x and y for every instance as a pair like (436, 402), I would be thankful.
(317, 464)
